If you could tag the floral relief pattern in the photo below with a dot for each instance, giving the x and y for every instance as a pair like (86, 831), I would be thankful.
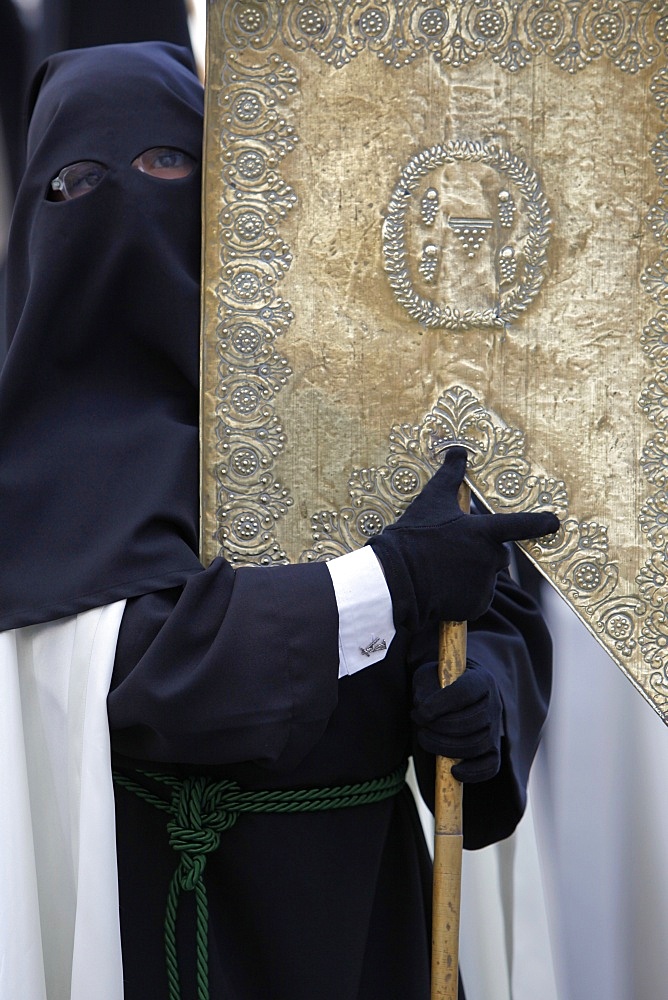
(653, 580)
(572, 33)
(653, 401)
(577, 558)
(256, 133)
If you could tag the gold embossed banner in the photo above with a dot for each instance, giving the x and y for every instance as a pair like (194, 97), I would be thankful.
(433, 221)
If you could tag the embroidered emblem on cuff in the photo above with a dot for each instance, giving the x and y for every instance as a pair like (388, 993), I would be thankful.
(375, 646)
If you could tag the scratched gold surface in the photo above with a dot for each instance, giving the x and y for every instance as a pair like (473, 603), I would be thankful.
(567, 399)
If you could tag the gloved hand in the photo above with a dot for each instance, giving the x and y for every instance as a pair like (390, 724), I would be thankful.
(462, 720)
(441, 564)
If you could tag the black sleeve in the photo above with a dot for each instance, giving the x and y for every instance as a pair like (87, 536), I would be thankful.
(512, 641)
(234, 666)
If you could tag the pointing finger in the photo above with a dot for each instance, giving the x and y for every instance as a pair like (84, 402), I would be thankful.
(516, 527)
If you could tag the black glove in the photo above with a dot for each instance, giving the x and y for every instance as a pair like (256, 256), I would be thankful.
(441, 564)
(462, 720)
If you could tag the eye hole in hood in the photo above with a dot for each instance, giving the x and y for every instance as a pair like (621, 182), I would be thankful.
(75, 180)
(166, 162)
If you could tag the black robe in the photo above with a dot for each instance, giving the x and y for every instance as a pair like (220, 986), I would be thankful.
(235, 676)
(232, 674)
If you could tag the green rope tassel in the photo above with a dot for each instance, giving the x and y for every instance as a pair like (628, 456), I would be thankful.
(200, 809)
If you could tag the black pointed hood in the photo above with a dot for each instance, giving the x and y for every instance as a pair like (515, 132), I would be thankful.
(99, 392)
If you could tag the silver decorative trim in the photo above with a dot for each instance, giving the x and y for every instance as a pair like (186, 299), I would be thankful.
(255, 136)
(577, 558)
(511, 302)
(632, 34)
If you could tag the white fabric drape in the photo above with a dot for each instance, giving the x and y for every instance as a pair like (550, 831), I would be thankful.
(575, 905)
(59, 932)
(506, 948)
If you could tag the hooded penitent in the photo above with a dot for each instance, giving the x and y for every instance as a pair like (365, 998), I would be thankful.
(99, 392)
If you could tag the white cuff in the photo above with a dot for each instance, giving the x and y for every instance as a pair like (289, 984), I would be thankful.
(366, 627)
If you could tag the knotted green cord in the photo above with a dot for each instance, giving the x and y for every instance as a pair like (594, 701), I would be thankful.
(201, 809)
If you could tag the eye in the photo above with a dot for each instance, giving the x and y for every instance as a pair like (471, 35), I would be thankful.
(165, 162)
(76, 180)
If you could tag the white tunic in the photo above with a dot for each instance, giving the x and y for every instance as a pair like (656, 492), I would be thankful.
(59, 927)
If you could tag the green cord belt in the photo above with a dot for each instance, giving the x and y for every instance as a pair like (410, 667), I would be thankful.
(200, 809)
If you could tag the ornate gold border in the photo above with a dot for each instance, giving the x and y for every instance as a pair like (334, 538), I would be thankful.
(256, 132)
(577, 559)
(573, 33)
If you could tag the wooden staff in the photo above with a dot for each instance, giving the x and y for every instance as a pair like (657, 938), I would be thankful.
(448, 836)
